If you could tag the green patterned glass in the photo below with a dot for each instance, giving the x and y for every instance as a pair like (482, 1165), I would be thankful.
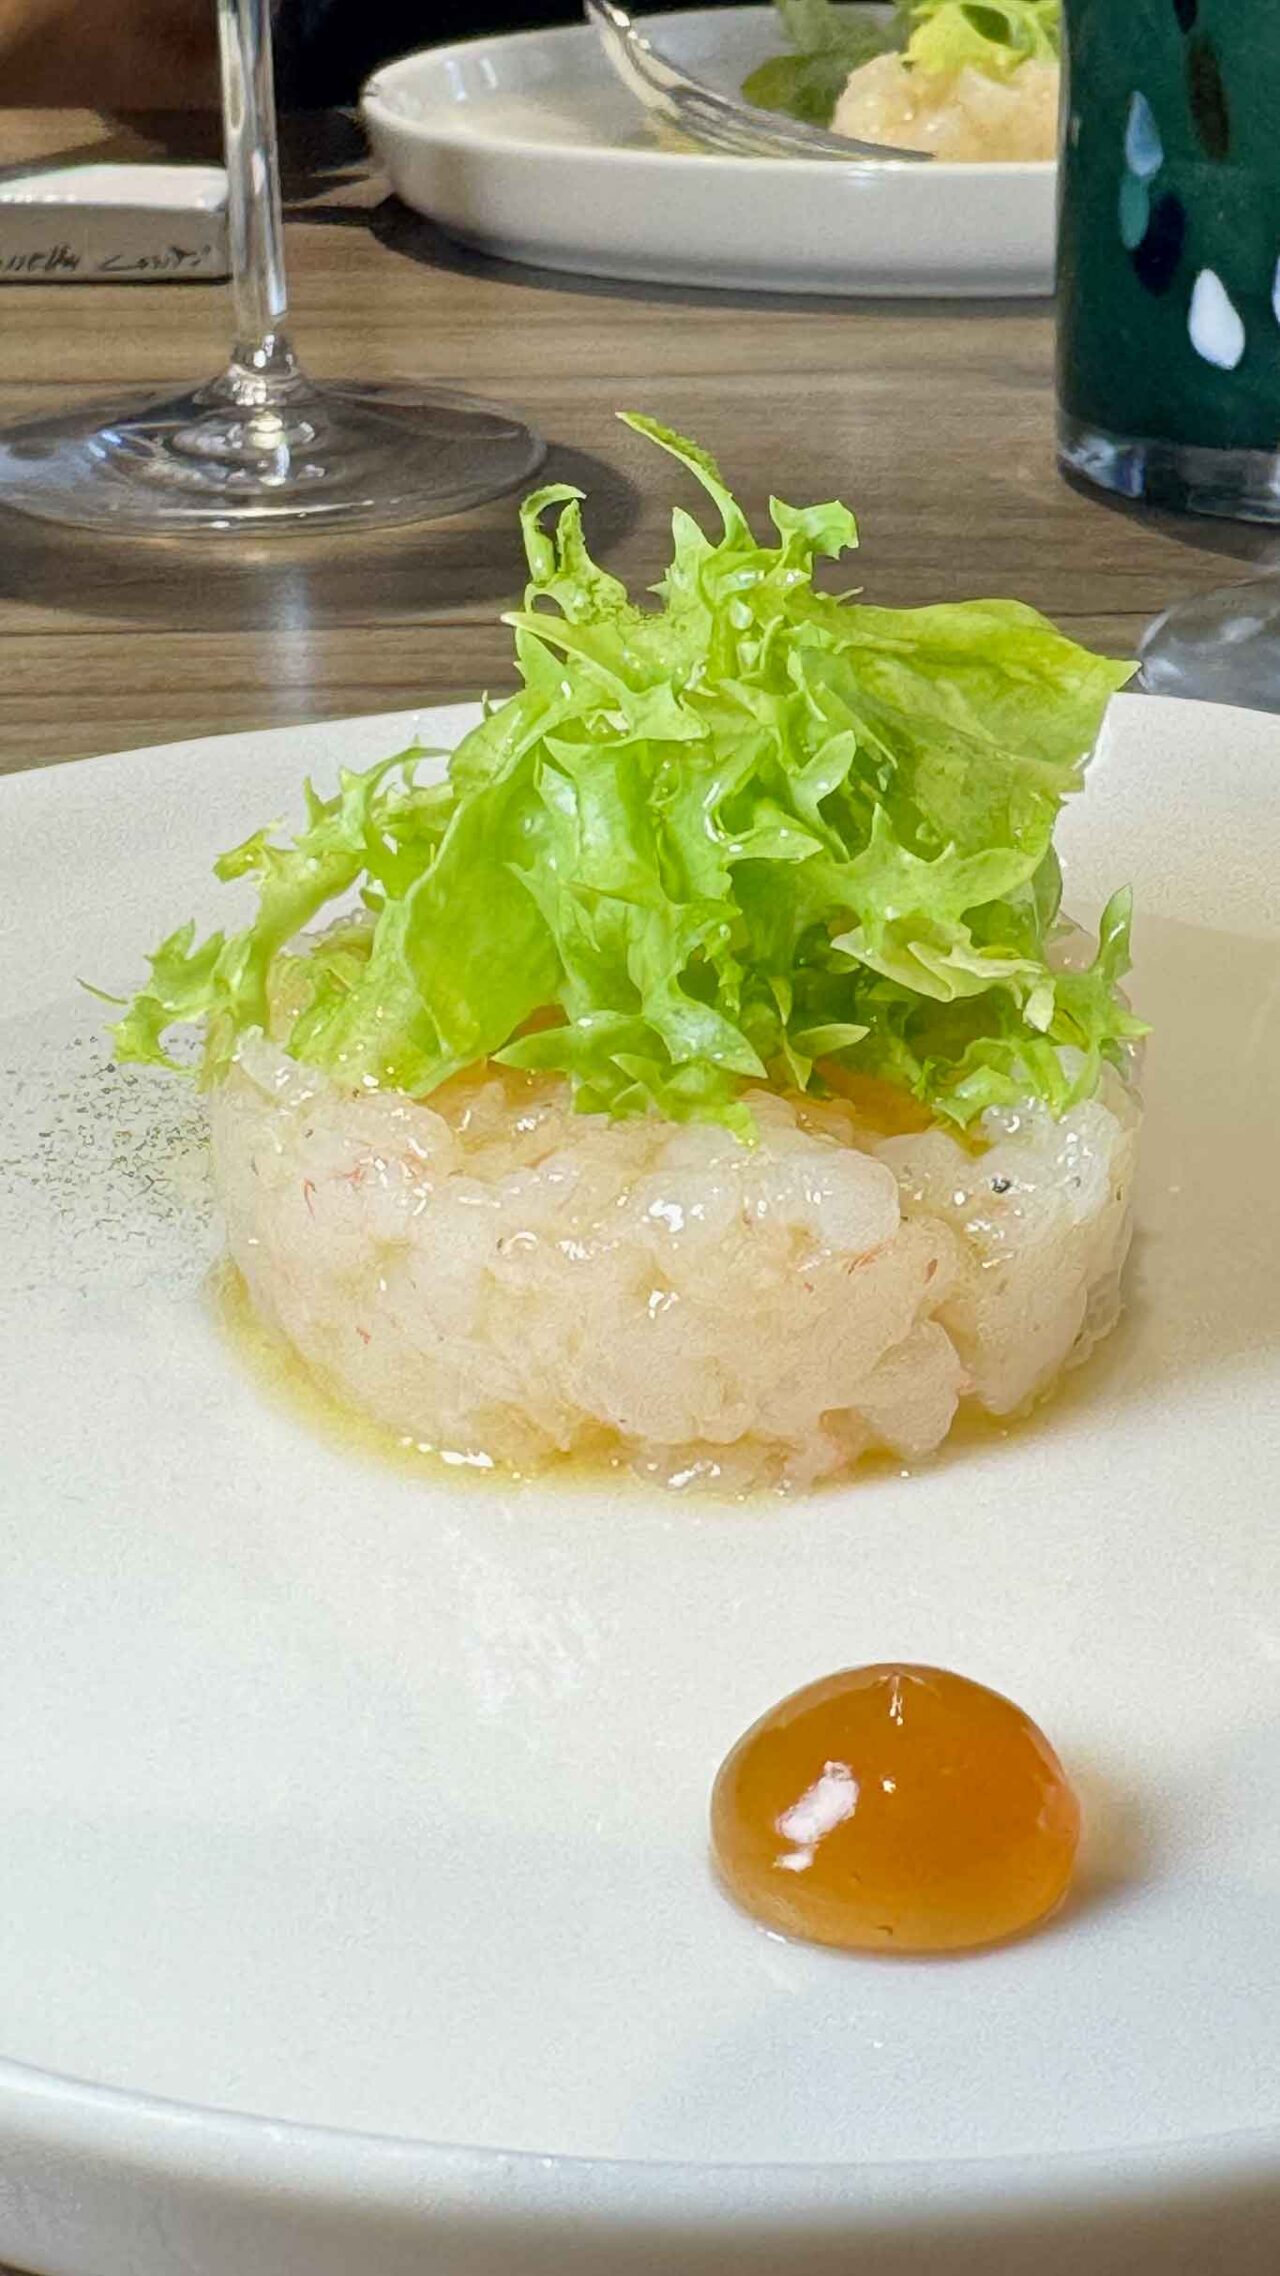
(1169, 260)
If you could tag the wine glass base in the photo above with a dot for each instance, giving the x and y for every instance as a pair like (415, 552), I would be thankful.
(317, 454)
(1219, 647)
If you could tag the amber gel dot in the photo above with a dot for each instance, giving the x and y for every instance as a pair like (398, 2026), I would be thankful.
(895, 1809)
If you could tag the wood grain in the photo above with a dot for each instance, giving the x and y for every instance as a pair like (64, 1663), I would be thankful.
(934, 420)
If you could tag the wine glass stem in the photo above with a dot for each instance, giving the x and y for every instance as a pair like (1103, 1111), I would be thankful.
(262, 356)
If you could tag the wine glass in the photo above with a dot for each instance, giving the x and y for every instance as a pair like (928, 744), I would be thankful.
(1222, 646)
(262, 446)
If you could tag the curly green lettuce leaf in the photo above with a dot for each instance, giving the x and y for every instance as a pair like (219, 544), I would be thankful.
(967, 1054)
(743, 836)
(941, 37)
(993, 36)
(828, 43)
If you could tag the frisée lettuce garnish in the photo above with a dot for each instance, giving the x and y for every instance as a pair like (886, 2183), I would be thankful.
(938, 37)
(749, 834)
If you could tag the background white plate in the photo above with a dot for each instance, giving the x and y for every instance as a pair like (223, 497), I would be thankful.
(377, 1807)
(527, 145)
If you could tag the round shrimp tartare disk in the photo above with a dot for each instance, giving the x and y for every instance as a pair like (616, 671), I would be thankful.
(489, 1273)
(702, 1074)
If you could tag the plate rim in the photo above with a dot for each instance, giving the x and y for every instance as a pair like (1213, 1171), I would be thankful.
(172, 2138)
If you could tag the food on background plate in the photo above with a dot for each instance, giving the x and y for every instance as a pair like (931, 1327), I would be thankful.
(964, 79)
(895, 1809)
(700, 1075)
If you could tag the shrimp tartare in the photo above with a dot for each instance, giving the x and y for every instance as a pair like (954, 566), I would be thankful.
(700, 1075)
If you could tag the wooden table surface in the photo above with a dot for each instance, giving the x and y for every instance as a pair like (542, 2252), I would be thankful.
(933, 420)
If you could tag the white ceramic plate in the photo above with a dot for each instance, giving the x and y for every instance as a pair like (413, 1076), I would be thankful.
(528, 146)
(352, 1826)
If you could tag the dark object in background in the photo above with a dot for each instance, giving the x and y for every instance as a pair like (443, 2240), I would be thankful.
(326, 49)
(1169, 283)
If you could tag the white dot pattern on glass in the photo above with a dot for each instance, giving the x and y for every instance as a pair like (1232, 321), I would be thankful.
(1134, 211)
(1214, 322)
(1143, 149)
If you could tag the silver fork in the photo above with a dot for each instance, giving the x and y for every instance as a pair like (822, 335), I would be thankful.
(717, 121)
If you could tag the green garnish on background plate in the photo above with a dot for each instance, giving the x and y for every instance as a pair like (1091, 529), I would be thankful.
(936, 36)
(719, 842)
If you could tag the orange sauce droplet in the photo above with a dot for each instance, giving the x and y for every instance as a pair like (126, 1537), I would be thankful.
(881, 1106)
(895, 1809)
